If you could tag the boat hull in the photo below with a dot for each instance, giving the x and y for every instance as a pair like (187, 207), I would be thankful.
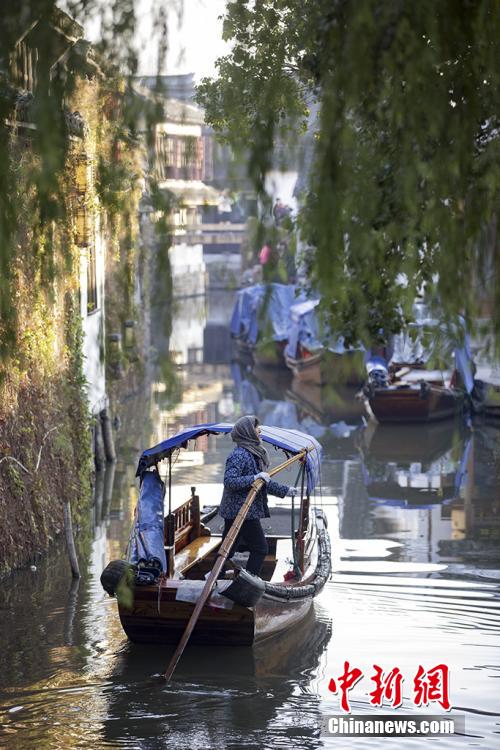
(325, 367)
(157, 617)
(411, 404)
(270, 354)
(159, 613)
(148, 622)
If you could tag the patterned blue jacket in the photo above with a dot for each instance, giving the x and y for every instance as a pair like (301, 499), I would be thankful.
(241, 468)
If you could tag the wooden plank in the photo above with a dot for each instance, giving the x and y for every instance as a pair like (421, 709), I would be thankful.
(195, 551)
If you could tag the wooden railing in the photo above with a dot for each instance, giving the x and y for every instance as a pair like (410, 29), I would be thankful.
(187, 521)
(182, 526)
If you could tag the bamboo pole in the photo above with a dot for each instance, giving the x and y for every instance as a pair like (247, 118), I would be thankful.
(70, 542)
(224, 550)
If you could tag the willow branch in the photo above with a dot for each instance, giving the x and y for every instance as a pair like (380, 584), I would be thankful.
(39, 457)
(41, 446)
(11, 458)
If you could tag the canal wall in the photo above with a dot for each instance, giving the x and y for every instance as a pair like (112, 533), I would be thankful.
(68, 244)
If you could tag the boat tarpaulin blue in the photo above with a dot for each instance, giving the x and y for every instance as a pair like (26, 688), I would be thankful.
(463, 363)
(442, 340)
(264, 309)
(146, 537)
(304, 329)
(277, 301)
(291, 441)
(244, 323)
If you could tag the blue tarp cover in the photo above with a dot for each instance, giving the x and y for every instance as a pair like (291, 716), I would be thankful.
(304, 329)
(244, 323)
(291, 441)
(146, 537)
(259, 307)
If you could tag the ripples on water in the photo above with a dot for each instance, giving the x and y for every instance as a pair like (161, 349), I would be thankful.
(410, 587)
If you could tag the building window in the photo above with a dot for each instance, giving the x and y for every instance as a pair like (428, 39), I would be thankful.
(179, 157)
(194, 355)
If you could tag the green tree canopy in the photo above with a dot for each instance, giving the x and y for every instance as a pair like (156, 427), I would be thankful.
(403, 176)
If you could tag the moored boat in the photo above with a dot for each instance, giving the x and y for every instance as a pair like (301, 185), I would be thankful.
(169, 557)
(260, 322)
(410, 387)
(317, 363)
(419, 402)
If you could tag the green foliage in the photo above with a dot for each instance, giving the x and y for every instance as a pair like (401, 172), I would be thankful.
(400, 101)
(37, 135)
(162, 202)
(76, 109)
(125, 589)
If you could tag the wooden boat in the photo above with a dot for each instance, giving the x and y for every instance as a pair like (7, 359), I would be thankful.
(169, 557)
(415, 402)
(406, 389)
(260, 322)
(313, 362)
(412, 394)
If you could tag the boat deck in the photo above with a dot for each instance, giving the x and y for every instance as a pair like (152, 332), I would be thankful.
(279, 525)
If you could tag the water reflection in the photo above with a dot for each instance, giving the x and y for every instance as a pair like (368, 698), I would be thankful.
(414, 517)
(414, 466)
(237, 700)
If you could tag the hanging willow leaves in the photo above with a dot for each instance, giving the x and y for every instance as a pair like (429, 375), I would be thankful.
(400, 170)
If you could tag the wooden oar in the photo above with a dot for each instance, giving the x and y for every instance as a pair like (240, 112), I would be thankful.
(224, 550)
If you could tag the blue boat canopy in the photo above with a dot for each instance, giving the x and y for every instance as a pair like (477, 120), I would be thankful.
(146, 541)
(262, 309)
(290, 441)
(244, 324)
(304, 329)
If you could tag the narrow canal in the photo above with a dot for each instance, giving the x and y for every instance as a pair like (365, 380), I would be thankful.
(414, 515)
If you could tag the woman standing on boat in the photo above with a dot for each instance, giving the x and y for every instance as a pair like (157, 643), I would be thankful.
(249, 461)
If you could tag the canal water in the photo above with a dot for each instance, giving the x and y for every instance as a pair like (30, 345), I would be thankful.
(414, 516)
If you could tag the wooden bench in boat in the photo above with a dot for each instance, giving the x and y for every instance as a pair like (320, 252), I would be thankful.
(195, 552)
(187, 539)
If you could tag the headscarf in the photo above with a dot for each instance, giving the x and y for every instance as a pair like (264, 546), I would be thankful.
(245, 435)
